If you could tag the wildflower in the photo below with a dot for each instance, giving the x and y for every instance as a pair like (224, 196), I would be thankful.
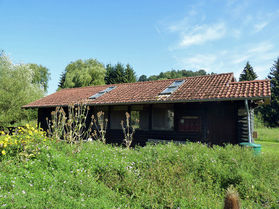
(3, 152)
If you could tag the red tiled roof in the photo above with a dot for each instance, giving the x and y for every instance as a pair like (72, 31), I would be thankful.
(199, 88)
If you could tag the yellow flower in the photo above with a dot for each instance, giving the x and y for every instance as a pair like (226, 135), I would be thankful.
(3, 152)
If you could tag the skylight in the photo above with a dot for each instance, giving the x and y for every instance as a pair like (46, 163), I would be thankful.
(172, 88)
(100, 93)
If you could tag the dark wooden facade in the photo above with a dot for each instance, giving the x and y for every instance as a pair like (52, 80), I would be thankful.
(209, 122)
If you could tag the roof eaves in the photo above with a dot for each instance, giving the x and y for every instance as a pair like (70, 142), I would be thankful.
(162, 101)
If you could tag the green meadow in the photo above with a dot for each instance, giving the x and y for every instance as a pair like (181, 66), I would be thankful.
(45, 173)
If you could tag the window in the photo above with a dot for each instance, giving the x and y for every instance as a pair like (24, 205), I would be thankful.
(100, 93)
(140, 117)
(162, 117)
(117, 115)
(189, 124)
(173, 87)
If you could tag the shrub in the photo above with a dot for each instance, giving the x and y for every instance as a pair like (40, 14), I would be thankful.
(25, 143)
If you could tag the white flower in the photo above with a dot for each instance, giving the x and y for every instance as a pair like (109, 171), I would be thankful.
(23, 192)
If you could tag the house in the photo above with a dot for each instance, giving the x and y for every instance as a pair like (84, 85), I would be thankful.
(214, 108)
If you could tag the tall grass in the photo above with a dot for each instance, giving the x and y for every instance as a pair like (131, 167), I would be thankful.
(161, 176)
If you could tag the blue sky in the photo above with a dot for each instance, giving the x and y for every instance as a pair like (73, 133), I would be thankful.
(152, 36)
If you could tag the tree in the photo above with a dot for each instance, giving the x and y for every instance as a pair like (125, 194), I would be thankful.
(143, 78)
(83, 73)
(248, 73)
(62, 80)
(119, 74)
(41, 75)
(176, 74)
(270, 112)
(17, 88)
(130, 74)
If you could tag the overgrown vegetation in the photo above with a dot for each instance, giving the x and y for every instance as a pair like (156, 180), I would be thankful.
(100, 127)
(72, 126)
(155, 176)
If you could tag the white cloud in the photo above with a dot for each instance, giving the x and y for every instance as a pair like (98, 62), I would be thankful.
(236, 59)
(261, 57)
(201, 59)
(261, 48)
(179, 26)
(198, 61)
(236, 33)
(259, 26)
(202, 34)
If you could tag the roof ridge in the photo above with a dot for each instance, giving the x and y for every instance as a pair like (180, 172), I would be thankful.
(139, 82)
(198, 76)
(253, 81)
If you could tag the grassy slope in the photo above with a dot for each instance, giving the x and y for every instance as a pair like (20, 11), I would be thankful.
(162, 176)
(268, 134)
(269, 139)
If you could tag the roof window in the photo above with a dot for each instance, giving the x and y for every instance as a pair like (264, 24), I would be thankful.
(100, 93)
(172, 88)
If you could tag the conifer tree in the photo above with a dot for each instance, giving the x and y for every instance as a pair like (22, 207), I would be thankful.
(62, 80)
(130, 74)
(120, 74)
(248, 73)
(270, 112)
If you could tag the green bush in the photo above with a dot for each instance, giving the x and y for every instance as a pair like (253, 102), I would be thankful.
(25, 142)
(95, 175)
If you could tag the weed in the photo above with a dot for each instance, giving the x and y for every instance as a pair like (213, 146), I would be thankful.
(128, 130)
(100, 125)
(72, 126)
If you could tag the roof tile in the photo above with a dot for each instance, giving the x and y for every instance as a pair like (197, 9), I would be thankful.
(199, 88)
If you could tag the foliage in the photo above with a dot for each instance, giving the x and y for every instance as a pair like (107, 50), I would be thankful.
(143, 78)
(41, 75)
(248, 73)
(71, 126)
(119, 74)
(24, 143)
(172, 74)
(161, 176)
(17, 88)
(83, 73)
(270, 112)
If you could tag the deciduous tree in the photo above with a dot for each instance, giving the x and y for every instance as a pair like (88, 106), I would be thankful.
(83, 73)
(143, 78)
(17, 88)
(41, 75)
